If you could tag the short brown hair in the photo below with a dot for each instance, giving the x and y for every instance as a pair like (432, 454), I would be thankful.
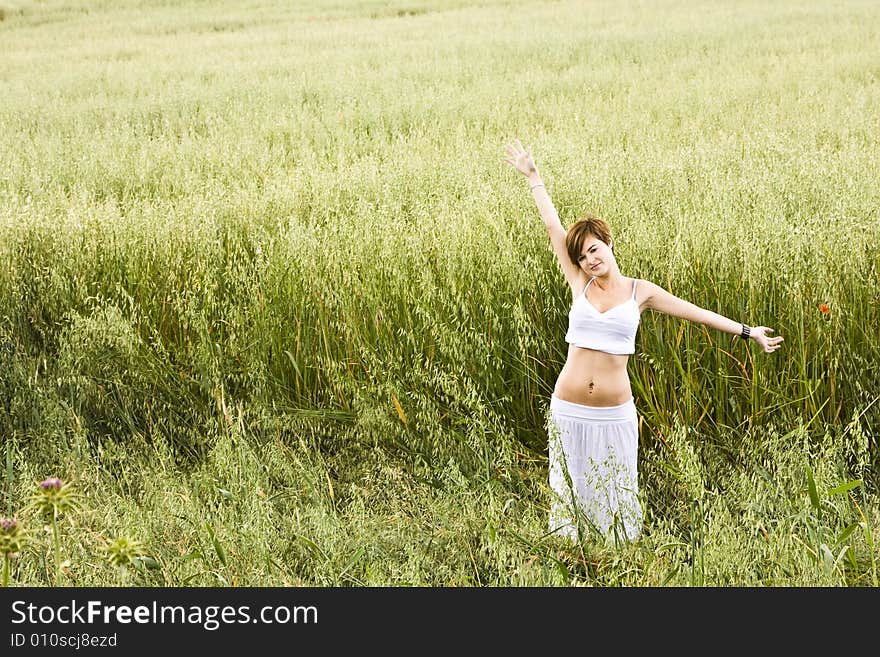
(580, 230)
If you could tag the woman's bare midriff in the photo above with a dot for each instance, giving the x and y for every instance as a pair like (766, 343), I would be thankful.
(593, 378)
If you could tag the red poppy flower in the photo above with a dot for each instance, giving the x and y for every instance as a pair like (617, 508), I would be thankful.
(823, 308)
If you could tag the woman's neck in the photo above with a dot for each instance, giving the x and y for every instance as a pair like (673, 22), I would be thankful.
(613, 280)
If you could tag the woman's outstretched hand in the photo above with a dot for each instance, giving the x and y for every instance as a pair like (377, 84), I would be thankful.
(768, 344)
(521, 158)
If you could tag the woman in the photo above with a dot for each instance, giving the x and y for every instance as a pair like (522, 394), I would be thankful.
(593, 425)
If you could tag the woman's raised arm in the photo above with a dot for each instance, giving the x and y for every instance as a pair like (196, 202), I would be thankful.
(521, 159)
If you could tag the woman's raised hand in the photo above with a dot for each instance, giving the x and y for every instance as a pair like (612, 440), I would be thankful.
(768, 344)
(521, 158)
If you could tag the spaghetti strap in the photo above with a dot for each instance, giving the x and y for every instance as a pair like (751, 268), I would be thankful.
(634, 288)
(584, 291)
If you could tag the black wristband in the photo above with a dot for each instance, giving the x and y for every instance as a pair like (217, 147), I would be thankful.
(747, 330)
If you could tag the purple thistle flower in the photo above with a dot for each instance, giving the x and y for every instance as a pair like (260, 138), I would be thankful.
(8, 525)
(54, 497)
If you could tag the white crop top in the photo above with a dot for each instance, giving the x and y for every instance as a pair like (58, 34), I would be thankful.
(613, 331)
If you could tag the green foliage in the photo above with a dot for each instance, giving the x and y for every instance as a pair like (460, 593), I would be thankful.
(273, 300)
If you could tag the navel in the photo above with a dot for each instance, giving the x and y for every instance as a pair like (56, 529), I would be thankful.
(590, 390)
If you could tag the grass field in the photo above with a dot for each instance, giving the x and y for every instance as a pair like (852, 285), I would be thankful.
(276, 312)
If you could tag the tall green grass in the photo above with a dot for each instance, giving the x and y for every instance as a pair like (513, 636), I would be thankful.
(274, 304)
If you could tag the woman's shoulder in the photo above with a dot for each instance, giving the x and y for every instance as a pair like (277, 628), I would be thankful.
(643, 290)
(641, 282)
(579, 284)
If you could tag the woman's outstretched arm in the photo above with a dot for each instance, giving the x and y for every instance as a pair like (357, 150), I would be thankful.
(656, 298)
(521, 159)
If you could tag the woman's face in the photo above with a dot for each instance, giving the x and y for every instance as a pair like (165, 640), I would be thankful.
(596, 257)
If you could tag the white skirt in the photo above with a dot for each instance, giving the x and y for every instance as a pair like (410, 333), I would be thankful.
(594, 478)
